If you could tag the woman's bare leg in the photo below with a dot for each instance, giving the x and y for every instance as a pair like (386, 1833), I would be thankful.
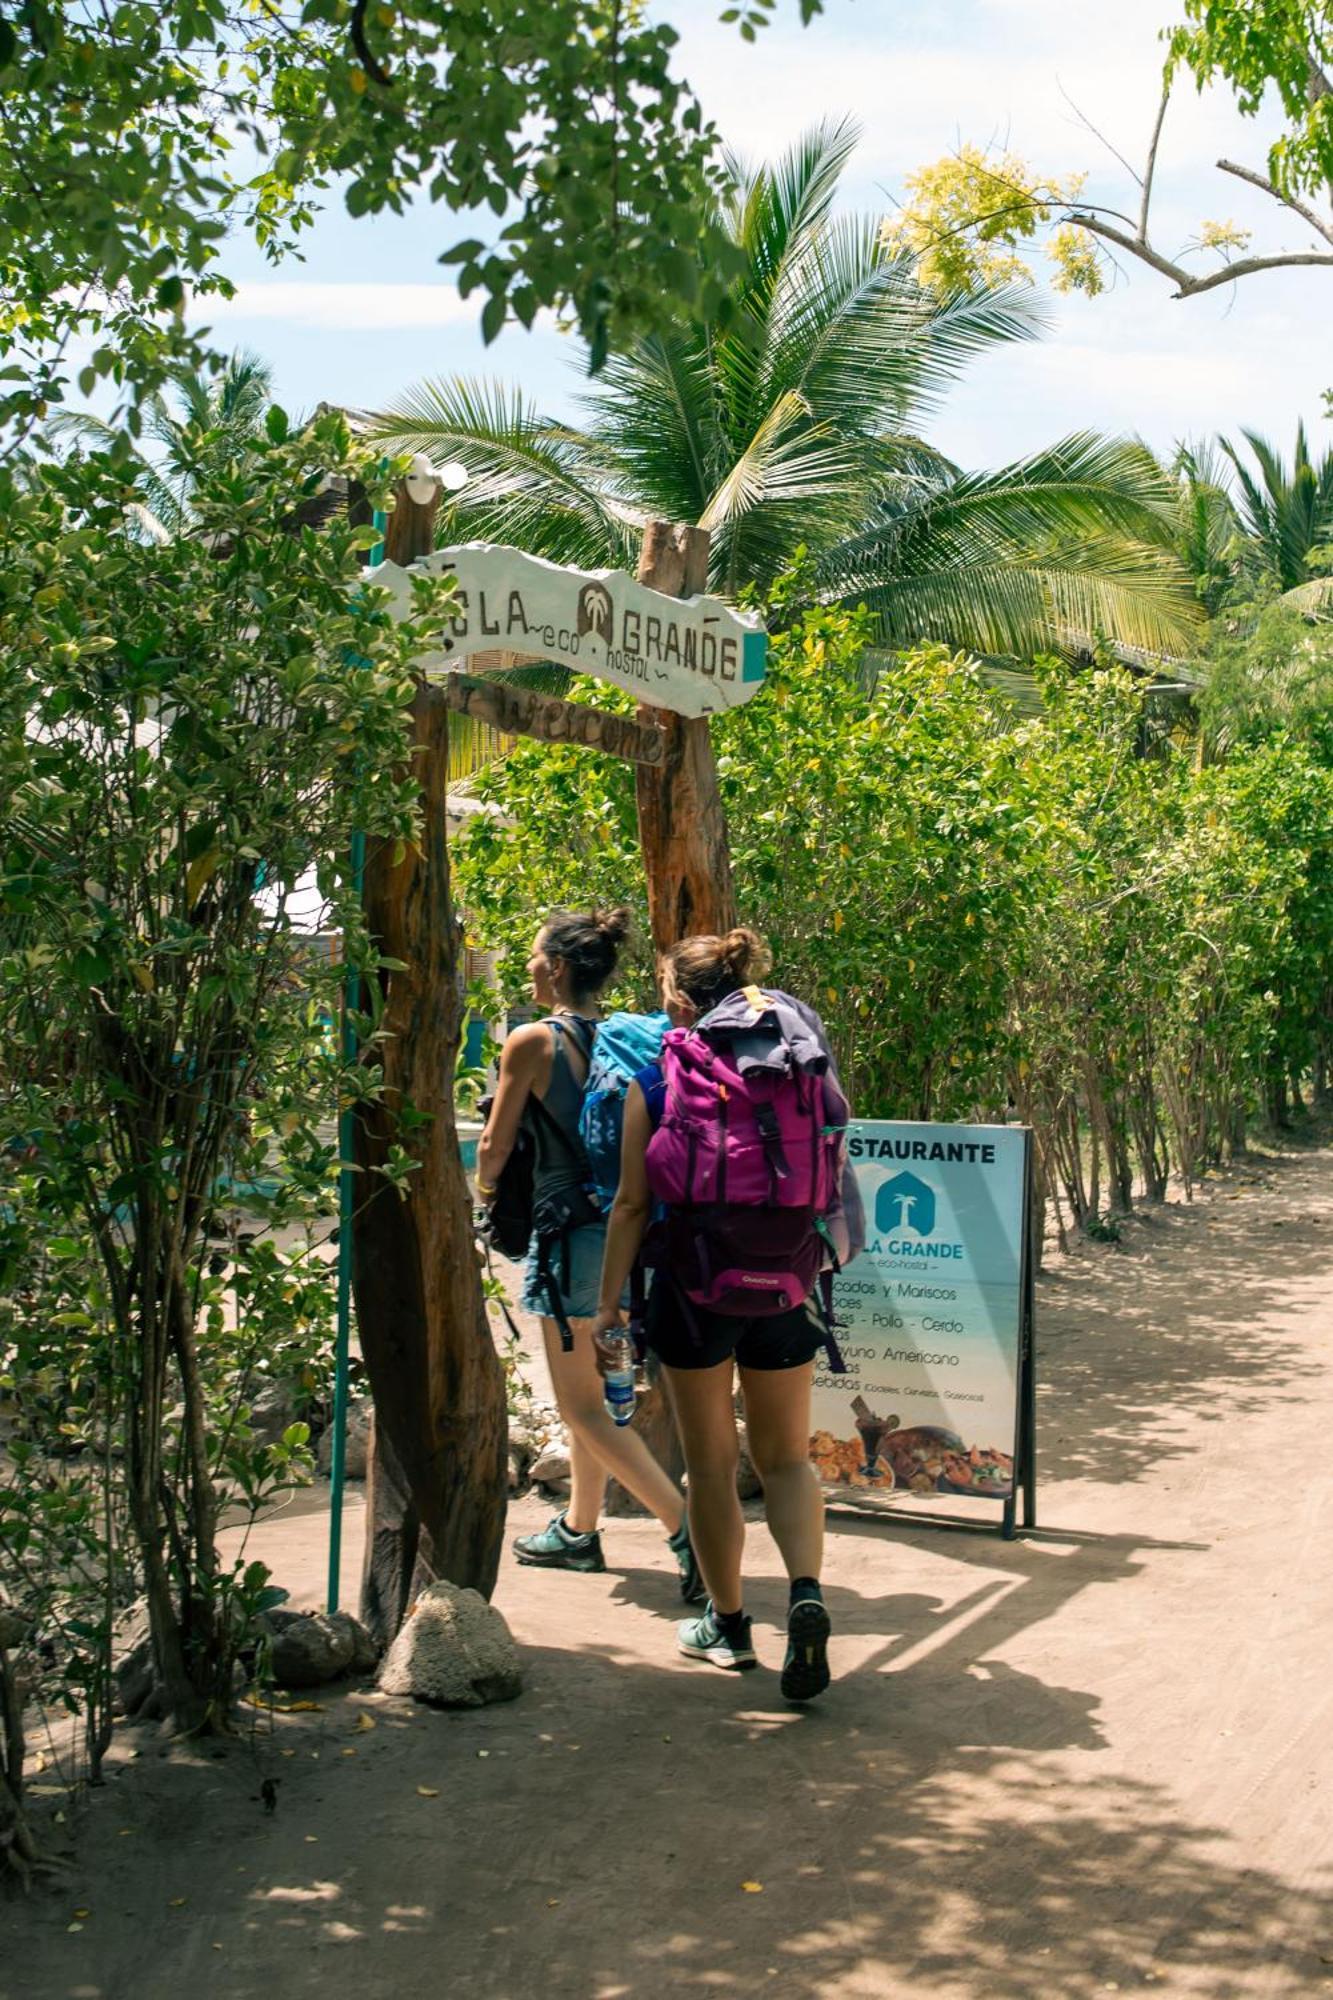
(777, 1424)
(597, 1445)
(702, 1398)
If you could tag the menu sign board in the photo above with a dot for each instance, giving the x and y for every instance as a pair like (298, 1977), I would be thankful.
(931, 1317)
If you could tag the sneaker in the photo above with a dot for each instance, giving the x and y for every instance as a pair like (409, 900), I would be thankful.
(558, 1547)
(693, 1589)
(704, 1639)
(805, 1669)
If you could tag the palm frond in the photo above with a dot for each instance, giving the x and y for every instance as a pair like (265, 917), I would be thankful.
(1075, 540)
(655, 410)
(528, 478)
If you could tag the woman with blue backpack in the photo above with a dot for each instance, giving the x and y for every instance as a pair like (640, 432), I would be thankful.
(731, 1193)
(544, 1068)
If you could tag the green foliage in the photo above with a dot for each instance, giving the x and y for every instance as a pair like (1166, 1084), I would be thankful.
(1279, 47)
(1286, 514)
(792, 421)
(1270, 669)
(188, 728)
(135, 138)
(1065, 915)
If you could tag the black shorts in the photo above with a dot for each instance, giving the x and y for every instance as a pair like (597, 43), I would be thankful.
(683, 1335)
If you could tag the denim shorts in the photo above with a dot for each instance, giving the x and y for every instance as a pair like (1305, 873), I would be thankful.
(580, 1295)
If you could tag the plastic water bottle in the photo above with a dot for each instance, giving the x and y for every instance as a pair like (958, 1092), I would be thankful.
(618, 1381)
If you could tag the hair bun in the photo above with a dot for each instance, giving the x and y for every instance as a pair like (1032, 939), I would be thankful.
(614, 925)
(744, 953)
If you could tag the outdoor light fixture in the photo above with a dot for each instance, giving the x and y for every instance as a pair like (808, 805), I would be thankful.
(424, 478)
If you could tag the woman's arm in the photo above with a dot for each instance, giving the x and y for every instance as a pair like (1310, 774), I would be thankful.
(522, 1060)
(630, 1211)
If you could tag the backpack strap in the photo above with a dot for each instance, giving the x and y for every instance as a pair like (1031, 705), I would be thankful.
(824, 1294)
(548, 1284)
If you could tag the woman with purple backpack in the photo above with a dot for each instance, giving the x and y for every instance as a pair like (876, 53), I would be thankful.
(543, 1068)
(737, 1139)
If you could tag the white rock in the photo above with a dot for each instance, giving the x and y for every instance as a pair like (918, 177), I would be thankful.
(551, 1468)
(454, 1650)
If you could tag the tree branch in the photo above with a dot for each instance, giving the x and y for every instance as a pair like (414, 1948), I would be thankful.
(361, 45)
(1188, 284)
(1083, 218)
(1265, 186)
(1151, 167)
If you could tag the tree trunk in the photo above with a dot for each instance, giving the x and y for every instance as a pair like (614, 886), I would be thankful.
(438, 1481)
(686, 854)
(682, 829)
(18, 1850)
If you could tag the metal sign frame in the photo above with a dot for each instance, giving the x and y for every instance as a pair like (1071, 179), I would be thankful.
(1017, 1509)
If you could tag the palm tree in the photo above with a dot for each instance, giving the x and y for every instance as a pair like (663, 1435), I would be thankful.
(197, 423)
(792, 421)
(1208, 530)
(1287, 516)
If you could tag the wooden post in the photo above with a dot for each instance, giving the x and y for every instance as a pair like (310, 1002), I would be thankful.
(437, 1482)
(682, 828)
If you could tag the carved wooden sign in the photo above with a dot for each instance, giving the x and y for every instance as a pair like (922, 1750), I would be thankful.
(692, 655)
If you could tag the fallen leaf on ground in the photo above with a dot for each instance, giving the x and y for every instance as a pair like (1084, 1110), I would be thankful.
(753, 1888)
(553, 1902)
(365, 1721)
(483, 1753)
(428, 1791)
(73, 1927)
(349, 1750)
(311, 1839)
(83, 1913)
(177, 1903)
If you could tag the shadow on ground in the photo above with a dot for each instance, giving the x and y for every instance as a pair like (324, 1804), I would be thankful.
(629, 1831)
(1133, 1339)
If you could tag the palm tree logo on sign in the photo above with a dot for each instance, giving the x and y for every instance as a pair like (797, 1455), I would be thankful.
(596, 613)
(905, 1202)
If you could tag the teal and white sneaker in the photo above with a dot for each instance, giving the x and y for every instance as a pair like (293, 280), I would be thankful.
(805, 1670)
(693, 1589)
(704, 1639)
(558, 1547)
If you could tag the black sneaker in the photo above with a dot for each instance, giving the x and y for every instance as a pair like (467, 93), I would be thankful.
(805, 1670)
(693, 1589)
(558, 1547)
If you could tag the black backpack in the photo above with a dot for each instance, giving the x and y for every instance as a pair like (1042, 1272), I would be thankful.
(513, 1218)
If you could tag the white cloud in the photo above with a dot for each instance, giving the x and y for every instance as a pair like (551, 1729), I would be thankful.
(1002, 72)
(349, 308)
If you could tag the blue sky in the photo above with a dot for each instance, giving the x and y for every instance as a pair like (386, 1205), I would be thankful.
(369, 311)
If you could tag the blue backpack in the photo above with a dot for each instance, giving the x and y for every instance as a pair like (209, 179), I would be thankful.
(624, 1044)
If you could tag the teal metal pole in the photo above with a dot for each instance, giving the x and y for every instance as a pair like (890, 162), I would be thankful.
(346, 1147)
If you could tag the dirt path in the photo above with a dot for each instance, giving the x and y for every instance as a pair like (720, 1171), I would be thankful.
(1094, 1761)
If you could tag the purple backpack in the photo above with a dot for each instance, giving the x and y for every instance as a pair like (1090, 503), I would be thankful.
(748, 1157)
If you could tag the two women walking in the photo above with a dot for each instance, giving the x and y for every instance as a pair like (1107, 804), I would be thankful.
(697, 1323)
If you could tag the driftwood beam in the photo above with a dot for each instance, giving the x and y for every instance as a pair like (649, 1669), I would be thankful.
(517, 711)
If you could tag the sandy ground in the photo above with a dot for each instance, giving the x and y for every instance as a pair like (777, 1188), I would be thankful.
(1097, 1760)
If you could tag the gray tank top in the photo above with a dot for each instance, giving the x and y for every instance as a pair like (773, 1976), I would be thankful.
(556, 1167)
